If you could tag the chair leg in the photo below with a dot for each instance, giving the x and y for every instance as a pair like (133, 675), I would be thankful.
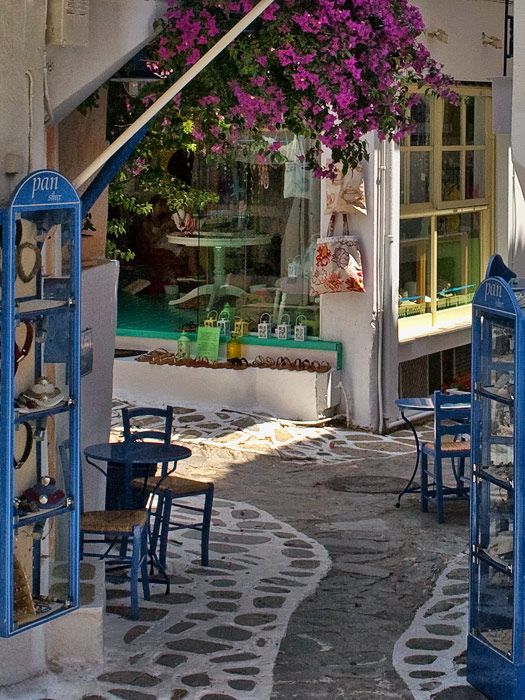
(206, 522)
(144, 562)
(424, 482)
(164, 529)
(461, 477)
(438, 475)
(134, 573)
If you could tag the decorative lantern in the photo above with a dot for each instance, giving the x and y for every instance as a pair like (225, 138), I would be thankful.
(240, 327)
(211, 321)
(183, 346)
(299, 330)
(283, 330)
(264, 327)
(223, 322)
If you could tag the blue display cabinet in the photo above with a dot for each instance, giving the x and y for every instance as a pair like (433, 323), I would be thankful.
(496, 652)
(39, 384)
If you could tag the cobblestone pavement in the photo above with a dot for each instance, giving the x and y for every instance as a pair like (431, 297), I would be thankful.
(359, 599)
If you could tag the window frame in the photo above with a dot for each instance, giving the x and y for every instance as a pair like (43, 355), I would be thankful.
(438, 207)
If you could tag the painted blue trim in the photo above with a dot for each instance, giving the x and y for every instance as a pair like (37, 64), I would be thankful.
(500, 676)
(109, 171)
(47, 198)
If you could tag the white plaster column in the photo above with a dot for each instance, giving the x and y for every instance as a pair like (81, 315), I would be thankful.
(350, 316)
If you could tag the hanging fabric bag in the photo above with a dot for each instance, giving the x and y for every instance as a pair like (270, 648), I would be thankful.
(337, 262)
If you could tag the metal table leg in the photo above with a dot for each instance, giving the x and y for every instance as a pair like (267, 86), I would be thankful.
(409, 488)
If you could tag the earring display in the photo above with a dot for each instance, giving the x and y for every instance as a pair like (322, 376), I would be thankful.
(40, 410)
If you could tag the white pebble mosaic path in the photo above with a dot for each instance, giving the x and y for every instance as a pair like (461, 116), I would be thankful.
(217, 634)
(430, 655)
(256, 434)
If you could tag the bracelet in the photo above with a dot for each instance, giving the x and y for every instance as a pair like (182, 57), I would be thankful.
(28, 276)
(28, 446)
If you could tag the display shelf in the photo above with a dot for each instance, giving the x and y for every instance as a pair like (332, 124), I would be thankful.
(32, 518)
(22, 414)
(38, 540)
(496, 639)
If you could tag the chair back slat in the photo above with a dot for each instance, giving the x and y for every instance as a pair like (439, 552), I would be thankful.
(136, 433)
(452, 415)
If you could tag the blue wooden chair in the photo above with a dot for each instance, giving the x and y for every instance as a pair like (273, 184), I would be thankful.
(111, 533)
(168, 488)
(451, 420)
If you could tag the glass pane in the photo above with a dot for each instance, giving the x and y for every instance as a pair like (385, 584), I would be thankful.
(451, 176)
(41, 567)
(268, 222)
(420, 163)
(496, 520)
(420, 120)
(458, 264)
(475, 174)
(451, 124)
(493, 618)
(414, 262)
(475, 115)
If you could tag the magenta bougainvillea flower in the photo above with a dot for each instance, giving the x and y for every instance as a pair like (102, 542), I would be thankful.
(330, 70)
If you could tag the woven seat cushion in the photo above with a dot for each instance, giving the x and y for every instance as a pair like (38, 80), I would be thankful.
(178, 485)
(112, 521)
(448, 447)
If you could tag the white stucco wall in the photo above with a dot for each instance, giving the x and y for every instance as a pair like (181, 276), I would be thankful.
(464, 56)
(117, 30)
(22, 30)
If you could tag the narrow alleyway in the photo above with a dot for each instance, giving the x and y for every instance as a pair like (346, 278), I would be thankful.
(314, 581)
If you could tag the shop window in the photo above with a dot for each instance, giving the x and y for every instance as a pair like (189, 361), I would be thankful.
(446, 190)
(251, 252)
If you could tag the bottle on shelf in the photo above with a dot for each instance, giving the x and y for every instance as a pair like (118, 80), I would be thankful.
(183, 346)
(233, 348)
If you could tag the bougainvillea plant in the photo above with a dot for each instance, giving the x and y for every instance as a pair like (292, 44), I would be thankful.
(330, 70)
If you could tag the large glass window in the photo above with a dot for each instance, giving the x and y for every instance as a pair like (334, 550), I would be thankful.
(445, 203)
(249, 253)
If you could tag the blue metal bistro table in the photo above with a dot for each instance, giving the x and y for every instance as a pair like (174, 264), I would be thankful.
(127, 461)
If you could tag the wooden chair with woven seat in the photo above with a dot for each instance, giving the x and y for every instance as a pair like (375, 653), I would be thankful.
(168, 488)
(108, 530)
(118, 529)
(451, 418)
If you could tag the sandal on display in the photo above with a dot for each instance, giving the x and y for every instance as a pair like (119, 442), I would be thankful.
(167, 358)
(151, 355)
(241, 363)
(283, 363)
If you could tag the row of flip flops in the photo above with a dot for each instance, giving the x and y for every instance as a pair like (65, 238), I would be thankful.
(297, 364)
(161, 356)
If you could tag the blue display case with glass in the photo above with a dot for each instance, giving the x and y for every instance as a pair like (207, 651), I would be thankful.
(40, 387)
(496, 644)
